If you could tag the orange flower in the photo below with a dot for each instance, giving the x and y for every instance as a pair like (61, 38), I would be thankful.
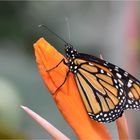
(68, 99)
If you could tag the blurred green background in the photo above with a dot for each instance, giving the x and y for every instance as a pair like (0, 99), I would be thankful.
(109, 28)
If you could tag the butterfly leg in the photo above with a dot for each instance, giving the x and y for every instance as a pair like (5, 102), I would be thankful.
(63, 60)
(62, 83)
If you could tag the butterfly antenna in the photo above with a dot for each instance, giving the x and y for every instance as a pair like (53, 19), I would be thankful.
(42, 25)
(68, 27)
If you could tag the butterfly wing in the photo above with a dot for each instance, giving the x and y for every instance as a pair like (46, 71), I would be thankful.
(100, 90)
(133, 94)
(131, 87)
(106, 89)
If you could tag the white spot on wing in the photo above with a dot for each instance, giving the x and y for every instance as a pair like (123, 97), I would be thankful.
(121, 90)
(118, 75)
(129, 101)
(120, 82)
(75, 67)
(126, 106)
(109, 74)
(136, 103)
(107, 119)
(129, 84)
(130, 94)
(116, 68)
(102, 71)
(130, 81)
(90, 64)
(101, 113)
(115, 81)
(125, 73)
(97, 116)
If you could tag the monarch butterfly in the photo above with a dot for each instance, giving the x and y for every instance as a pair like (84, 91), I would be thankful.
(106, 89)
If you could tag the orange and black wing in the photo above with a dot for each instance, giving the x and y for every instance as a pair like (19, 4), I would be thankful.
(106, 89)
(101, 92)
(133, 94)
(131, 88)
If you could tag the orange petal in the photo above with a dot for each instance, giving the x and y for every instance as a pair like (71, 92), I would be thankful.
(122, 128)
(67, 99)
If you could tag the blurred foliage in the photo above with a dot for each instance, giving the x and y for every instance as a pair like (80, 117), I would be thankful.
(14, 27)
(5, 133)
(10, 13)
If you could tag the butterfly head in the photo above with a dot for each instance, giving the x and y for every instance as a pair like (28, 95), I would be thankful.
(70, 52)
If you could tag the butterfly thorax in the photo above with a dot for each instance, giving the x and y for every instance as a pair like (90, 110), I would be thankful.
(71, 55)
